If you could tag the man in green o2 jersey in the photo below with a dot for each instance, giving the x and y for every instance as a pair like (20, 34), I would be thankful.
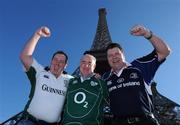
(86, 96)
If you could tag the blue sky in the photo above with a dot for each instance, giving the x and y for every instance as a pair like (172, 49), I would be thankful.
(73, 25)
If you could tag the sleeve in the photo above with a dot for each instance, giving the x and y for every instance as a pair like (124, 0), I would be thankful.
(148, 65)
(33, 70)
(37, 66)
(105, 91)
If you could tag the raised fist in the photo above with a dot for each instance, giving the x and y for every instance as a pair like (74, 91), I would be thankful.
(43, 32)
(139, 30)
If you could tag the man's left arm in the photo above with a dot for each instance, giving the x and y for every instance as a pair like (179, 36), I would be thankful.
(162, 49)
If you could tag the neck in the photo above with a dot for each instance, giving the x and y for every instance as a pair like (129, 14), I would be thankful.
(57, 74)
(116, 70)
(87, 76)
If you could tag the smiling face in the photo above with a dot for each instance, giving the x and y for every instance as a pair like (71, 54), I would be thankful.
(87, 65)
(115, 58)
(58, 64)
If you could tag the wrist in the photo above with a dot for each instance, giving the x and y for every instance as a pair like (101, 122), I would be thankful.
(149, 36)
(37, 34)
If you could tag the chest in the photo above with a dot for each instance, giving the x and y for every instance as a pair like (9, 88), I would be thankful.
(90, 86)
(47, 81)
(129, 79)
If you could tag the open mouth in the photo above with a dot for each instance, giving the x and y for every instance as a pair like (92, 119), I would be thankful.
(115, 61)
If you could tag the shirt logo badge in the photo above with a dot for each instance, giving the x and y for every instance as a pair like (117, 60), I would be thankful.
(133, 75)
(74, 82)
(120, 80)
(66, 83)
(93, 83)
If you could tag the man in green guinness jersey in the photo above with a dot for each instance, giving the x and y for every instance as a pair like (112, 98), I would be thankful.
(86, 96)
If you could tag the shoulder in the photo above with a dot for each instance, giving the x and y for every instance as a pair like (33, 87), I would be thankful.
(68, 76)
(74, 80)
(37, 66)
(151, 57)
(132, 67)
(106, 75)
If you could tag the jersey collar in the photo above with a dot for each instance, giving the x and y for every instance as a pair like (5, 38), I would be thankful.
(121, 70)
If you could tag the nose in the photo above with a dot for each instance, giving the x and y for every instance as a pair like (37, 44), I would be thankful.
(114, 57)
(86, 65)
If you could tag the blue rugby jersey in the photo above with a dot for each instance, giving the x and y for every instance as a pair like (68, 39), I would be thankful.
(130, 93)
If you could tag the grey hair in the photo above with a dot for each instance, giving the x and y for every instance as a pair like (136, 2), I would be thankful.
(92, 57)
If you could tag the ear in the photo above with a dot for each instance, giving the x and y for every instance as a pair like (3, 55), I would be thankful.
(65, 66)
(123, 57)
(94, 66)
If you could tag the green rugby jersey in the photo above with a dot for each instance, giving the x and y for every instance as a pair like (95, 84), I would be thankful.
(84, 102)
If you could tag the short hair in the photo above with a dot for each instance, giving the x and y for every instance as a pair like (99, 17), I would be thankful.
(89, 53)
(92, 56)
(113, 45)
(61, 52)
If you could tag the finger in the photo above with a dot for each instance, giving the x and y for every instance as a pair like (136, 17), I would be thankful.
(135, 30)
(46, 31)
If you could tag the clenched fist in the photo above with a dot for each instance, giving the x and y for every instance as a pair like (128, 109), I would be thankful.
(43, 32)
(139, 30)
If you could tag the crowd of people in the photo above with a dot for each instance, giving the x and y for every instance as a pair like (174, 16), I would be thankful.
(57, 98)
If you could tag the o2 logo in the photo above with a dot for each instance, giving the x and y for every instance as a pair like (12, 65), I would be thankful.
(80, 98)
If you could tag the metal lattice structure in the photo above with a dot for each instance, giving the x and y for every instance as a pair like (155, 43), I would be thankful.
(13, 120)
(102, 37)
(166, 111)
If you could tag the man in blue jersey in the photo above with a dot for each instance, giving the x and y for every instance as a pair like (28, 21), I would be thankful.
(129, 83)
(48, 85)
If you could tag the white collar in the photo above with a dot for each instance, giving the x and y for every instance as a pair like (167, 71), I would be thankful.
(86, 78)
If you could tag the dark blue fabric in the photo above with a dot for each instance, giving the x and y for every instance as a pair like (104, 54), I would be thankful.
(128, 94)
(148, 65)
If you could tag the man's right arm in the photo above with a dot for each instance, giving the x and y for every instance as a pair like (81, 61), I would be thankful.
(27, 52)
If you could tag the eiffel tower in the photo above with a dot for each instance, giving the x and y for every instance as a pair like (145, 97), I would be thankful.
(101, 41)
(166, 111)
